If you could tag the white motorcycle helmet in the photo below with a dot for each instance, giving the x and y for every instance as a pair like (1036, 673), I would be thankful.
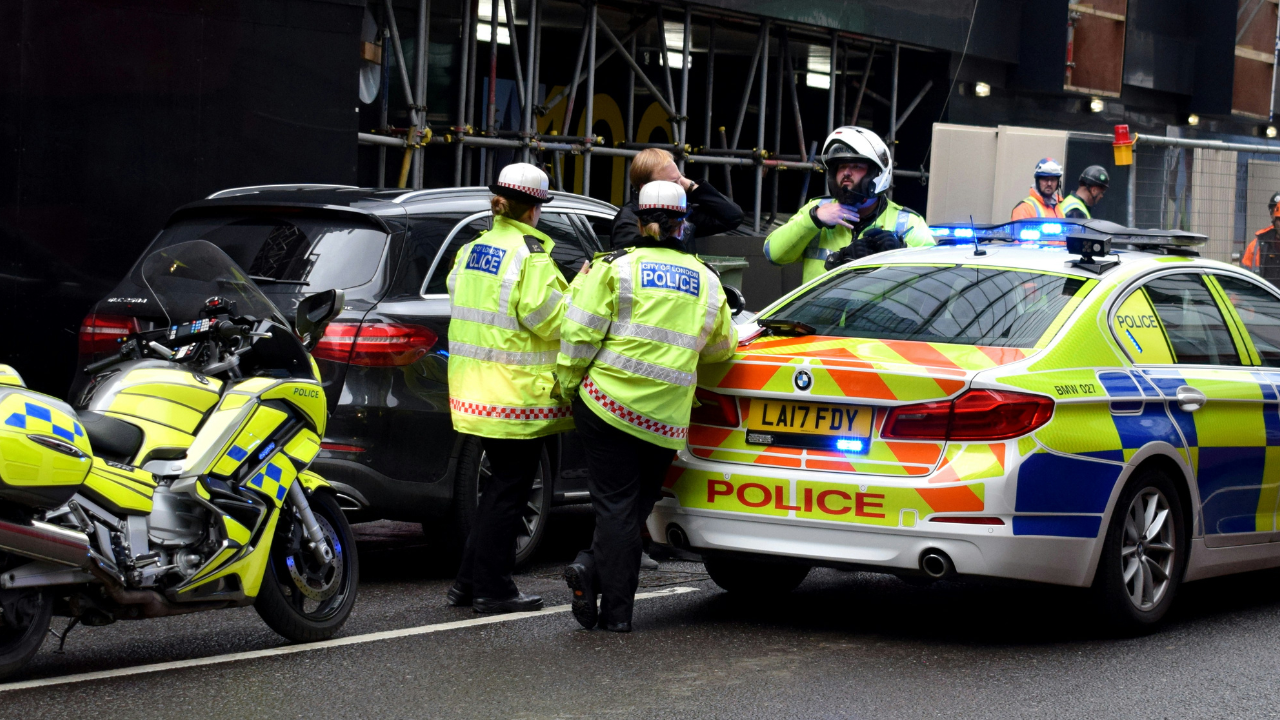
(848, 144)
(664, 203)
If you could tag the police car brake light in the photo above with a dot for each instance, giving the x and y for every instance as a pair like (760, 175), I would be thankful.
(975, 415)
(715, 409)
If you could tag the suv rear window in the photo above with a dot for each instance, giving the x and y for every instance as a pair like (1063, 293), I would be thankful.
(312, 252)
(953, 304)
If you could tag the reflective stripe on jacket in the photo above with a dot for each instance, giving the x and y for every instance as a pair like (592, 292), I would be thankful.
(505, 301)
(1033, 206)
(801, 238)
(636, 328)
(1072, 202)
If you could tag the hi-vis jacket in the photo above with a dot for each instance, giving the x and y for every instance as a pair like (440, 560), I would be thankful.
(1034, 206)
(505, 300)
(636, 328)
(800, 237)
(1072, 202)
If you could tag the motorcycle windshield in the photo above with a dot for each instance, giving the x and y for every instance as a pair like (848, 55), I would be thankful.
(184, 276)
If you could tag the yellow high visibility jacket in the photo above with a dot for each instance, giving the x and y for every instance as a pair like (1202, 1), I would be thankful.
(801, 238)
(505, 297)
(1072, 202)
(636, 328)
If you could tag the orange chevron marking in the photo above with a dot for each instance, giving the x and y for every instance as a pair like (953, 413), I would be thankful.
(861, 384)
(747, 376)
(918, 353)
(708, 436)
(919, 453)
(997, 449)
(836, 362)
(1002, 355)
(779, 462)
(949, 386)
(673, 474)
(952, 499)
(830, 465)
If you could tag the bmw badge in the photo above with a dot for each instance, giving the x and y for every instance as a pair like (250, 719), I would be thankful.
(803, 380)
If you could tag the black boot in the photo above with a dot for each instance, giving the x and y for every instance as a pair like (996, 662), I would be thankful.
(581, 580)
(519, 603)
(459, 597)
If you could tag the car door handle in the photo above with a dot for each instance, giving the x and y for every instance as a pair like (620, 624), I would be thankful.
(1190, 399)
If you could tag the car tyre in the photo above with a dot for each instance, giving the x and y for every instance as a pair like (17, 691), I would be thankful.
(1144, 555)
(468, 486)
(744, 576)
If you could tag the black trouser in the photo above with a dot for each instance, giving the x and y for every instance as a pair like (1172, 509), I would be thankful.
(625, 479)
(490, 553)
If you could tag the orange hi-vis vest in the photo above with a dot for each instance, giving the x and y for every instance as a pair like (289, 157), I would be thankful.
(1033, 206)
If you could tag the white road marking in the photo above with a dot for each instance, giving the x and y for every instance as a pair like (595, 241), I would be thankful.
(308, 647)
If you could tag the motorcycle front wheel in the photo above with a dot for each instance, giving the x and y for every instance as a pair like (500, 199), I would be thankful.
(301, 598)
(22, 630)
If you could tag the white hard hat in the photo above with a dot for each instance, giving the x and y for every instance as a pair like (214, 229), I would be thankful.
(1048, 167)
(522, 182)
(850, 143)
(663, 195)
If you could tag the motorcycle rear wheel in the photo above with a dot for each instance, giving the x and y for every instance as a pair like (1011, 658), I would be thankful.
(20, 640)
(299, 598)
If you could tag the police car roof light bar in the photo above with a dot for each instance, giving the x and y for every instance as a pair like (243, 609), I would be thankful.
(1170, 242)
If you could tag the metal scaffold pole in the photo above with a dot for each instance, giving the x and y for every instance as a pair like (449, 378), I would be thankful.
(831, 85)
(473, 44)
(420, 94)
(491, 101)
(459, 149)
(684, 82)
(591, 97)
(764, 97)
(531, 82)
(893, 115)
(631, 119)
(711, 75)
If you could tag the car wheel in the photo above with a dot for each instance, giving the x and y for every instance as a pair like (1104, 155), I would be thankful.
(757, 577)
(473, 473)
(1144, 554)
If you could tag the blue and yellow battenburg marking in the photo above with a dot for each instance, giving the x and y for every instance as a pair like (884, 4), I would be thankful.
(39, 420)
(275, 478)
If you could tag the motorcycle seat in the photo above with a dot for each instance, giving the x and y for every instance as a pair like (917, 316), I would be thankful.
(111, 438)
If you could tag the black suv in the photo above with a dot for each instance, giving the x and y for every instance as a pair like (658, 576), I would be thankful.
(390, 448)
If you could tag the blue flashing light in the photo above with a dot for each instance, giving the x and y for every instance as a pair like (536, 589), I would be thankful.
(1029, 234)
(940, 232)
(964, 232)
(849, 445)
(1051, 229)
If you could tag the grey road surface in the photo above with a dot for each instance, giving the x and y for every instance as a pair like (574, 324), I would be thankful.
(845, 645)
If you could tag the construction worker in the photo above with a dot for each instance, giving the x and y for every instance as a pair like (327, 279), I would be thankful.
(637, 325)
(1264, 244)
(856, 219)
(1043, 200)
(710, 212)
(505, 303)
(1093, 184)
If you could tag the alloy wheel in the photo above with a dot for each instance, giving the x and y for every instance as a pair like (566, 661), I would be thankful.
(1146, 549)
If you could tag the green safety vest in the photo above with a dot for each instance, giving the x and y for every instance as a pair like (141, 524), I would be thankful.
(1074, 203)
(505, 302)
(801, 238)
(636, 328)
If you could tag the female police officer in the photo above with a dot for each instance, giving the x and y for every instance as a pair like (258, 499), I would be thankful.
(505, 302)
(636, 327)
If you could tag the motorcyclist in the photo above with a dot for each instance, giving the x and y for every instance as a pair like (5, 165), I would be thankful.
(856, 219)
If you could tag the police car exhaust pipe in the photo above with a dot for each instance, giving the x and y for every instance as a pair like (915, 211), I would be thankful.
(936, 564)
(677, 538)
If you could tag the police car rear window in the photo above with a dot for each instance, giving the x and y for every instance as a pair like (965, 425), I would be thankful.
(953, 304)
(313, 253)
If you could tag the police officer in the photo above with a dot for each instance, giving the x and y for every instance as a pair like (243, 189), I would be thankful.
(637, 325)
(1094, 182)
(711, 213)
(1043, 200)
(856, 219)
(505, 304)
(1252, 259)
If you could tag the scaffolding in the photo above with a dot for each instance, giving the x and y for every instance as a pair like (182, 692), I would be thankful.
(466, 136)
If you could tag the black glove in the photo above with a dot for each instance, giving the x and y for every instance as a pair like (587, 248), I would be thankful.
(880, 240)
(859, 248)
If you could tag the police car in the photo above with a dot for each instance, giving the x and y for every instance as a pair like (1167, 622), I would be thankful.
(1067, 402)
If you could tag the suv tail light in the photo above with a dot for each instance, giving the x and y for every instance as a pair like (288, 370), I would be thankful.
(716, 409)
(374, 344)
(104, 333)
(975, 415)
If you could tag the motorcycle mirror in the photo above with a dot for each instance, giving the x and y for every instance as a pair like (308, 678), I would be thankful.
(737, 302)
(314, 314)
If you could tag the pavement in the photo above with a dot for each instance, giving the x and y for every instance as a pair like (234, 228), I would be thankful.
(844, 645)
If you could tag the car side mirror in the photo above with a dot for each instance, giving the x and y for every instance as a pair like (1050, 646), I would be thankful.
(737, 302)
(314, 314)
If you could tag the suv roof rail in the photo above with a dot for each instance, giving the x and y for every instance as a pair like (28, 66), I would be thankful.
(231, 192)
(424, 194)
(1173, 242)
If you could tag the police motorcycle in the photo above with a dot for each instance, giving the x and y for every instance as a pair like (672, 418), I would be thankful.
(182, 484)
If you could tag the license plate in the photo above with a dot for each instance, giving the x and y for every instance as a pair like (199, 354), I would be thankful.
(842, 428)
